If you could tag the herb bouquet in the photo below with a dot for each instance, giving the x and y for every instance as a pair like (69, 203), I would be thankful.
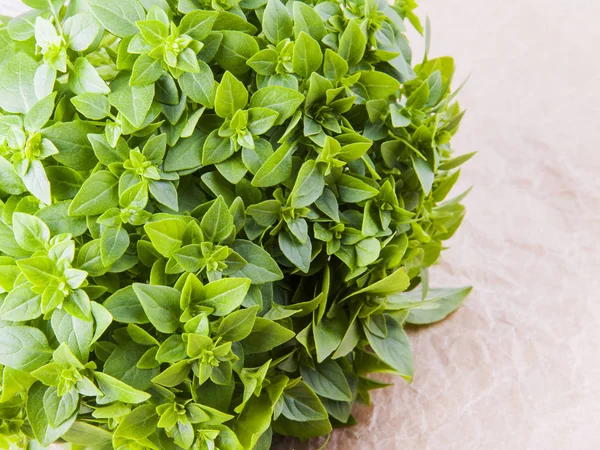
(215, 217)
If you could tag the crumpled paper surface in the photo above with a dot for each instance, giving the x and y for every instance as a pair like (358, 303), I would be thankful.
(517, 367)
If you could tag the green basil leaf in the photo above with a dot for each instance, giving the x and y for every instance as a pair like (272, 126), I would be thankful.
(307, 57)
(231, 96)
(161, 305)
(217, 223)
(301, 404)
(276, 21)
(71, 140)
(31, 233)
(81, 30)
(200, 86)
(307, 20)
(283, 100)
(115, 390)
(74, 332)
(225, 295)
(23, 348)
(58, 409)
(98, 193)
(296, 252)
(394, 349)
(265, 336)
(261, 267)
(309, 185)
(198, 24)
(139, 423)
(447, 301)
(21, 304)
(238, 325)
(327, 380)
(277, 167)
(145, 71)
(118, 16)
(16, 80)
(125, 307)
(84, 79)
(43, 432)
(166, 235)
(352, 43)
(133, 102)
(92, 106)
(113, 244)
(236, 48)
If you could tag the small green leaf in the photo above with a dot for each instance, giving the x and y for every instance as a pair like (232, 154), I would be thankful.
(114, 243)
(161, 305)
(216, 149)
(352, 43)
(217, 222)
(59, 408)
(198, 24)
(125, 307)
(265, 336)
(283, 100)
(424, 173)
(116, 390)
(296, 252)
(354, 190)
(146, 70)
(235, 50)
(40, 113)
(238, 325)
(92, 106)
(261, 120)
(446, 301)
(23, 348)
(231, 96)
(133, 102)
(301, 404)
(264, 62)
(307, 20)
(327, 380)
(309, 185)
(225, 295)
(308, 56)
(31, 233)
(118, 16)
(277, 167)
(139, 423)
(84, 79)
(261, 267)
(166, 235)
(394, 349)
(21, 304)
(276, 21)
(98, 193)
(16, 81)
(81, 30)
(199, 86)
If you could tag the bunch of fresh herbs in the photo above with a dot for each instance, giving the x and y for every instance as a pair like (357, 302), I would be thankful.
(216, 217)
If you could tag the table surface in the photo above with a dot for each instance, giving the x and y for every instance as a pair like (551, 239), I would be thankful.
(518, 366)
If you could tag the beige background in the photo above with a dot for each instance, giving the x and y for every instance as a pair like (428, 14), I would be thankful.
(518, 366)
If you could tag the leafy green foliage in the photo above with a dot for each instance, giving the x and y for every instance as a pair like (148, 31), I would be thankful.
(215, 217)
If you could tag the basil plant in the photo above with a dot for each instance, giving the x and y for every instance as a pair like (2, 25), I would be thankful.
(216, 217)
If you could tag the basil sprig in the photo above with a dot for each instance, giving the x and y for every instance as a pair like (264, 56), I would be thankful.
(216, 217)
